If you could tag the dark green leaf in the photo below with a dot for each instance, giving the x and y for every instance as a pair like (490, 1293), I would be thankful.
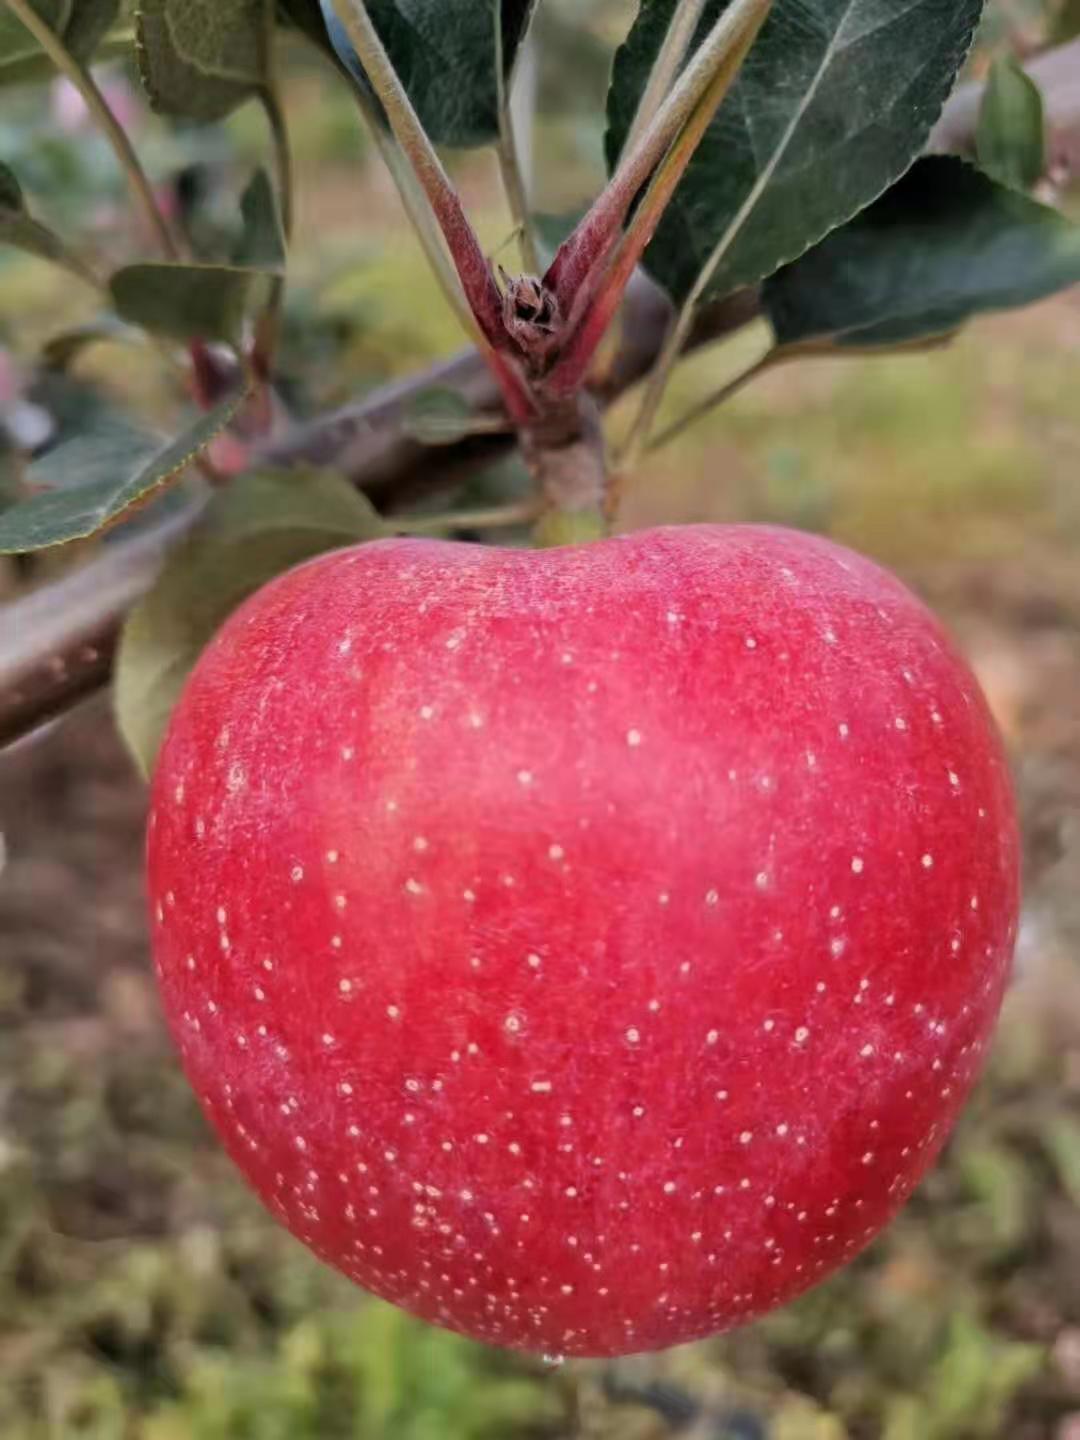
(260, 526)
(944, 244)
(1011, 137)
(203, 58)
(262, 246)
(92, 481)
(835, 101)
(185, 301)
(445, 52)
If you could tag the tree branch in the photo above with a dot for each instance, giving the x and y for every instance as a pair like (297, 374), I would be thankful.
(56, 645)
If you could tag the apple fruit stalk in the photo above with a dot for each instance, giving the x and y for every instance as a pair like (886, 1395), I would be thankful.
(587, 950)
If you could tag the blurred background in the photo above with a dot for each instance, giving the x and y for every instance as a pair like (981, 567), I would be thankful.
(144, 1294)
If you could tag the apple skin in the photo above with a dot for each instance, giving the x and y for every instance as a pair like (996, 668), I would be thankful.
(588, 950)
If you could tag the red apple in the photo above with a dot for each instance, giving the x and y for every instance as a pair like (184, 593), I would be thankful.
(587, 950)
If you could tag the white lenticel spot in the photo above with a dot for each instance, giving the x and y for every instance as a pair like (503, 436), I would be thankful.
(555, 852)
(844, 731)
(801, 1035)
(296, 874)
(928, 862)
(857, 865)
(633, 1035)
(866, 1051)
(427, 712)
(413, 886)
(633, 738)
(712, 1037)
(393, 1012)
(525, 777)
(751, 643)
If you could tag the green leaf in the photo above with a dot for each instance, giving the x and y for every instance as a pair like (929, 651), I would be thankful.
(262, 246)
(202, 58)
(19, 229)
(438, 417)
(260, 526)
(1011, 137)
(92, 481)
(835, 101)
(16, 42)
(185, 302)
(445, 52)
(944, 244)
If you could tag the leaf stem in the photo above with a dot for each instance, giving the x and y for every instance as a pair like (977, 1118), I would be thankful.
(666, 67)
(509, 162)
(717, 398)
(572, 364)
(96, 103)
(522, 512)
(477, 281)
(677, 336)
(575, 273)
(268, 330)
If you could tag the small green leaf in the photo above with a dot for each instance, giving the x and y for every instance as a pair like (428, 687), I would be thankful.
(262, 246)
(19, 229)
(16, 42)
(1011, 137)
(834, 102)
(260, 526)
(185, 302)
(202, 58)
(93, 481)
(943, 245)
(446, 54)
(438, 417)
